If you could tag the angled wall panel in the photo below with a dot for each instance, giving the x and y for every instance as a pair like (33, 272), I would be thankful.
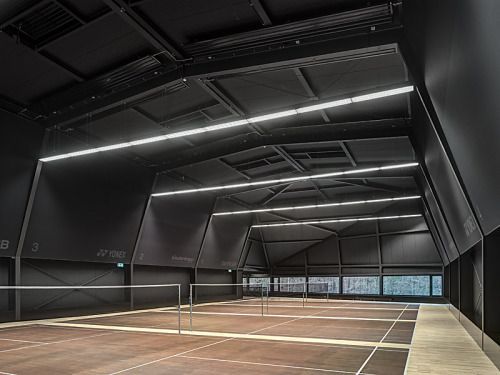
(225, 239)
(173, 230)
(87, 209)
(455, 44)
(453, 202)
(20, 142)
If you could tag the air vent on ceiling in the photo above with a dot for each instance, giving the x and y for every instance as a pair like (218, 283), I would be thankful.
(42, 23)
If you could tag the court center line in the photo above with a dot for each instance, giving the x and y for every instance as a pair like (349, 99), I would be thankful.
(192, 350)
(269, 365)
(381, 341)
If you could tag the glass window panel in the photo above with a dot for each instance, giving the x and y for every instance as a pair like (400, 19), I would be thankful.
(410, 285)
(323, 284)
(437, 285)
(360, 284)
(292, 284)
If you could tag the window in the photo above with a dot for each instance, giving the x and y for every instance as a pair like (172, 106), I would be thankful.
(252, 284)
(407, 285)
(360, 284)
(290, 284)
(437, 285)
(323, 284)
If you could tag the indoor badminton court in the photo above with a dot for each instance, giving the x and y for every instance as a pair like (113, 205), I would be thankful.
(249, 187)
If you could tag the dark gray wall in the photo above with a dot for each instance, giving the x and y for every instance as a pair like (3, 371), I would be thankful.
(20, 142)
(455, 47)
(225, 238)
(406, 247)
(444, 183)
(87, 209)
(174, 229)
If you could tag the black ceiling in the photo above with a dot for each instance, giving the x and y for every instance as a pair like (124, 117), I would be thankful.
(102, 71)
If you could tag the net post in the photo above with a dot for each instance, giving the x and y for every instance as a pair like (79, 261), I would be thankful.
(262, 299)
(304, 296)
(179, 307)
(267, 299)
(327, 291)
(190, 307)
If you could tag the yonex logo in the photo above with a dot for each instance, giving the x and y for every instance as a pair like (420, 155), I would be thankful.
(114, 254)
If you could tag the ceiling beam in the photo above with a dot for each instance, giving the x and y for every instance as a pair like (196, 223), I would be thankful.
(351, 46)
(373, 129)
(261, 12)
(139, 24)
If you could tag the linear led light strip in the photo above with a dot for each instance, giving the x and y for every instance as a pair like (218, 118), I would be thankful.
(285, 180)
(334, 204)
(334, 221)
(232, 124)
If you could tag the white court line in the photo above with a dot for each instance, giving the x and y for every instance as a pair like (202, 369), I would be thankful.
(316, 307)
(6, 373)
(270, 365)
(29, 342)
(351, 301)
(381, 341)
(289, 316)
(54, 342)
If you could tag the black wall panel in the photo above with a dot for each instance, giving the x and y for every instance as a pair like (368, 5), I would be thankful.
(87, 209)
(447, 188)
(359, 251)
(51, 303)
(441, 225)
(456, 47)
(256, 256)
(225, 239)
(418, 248)
(20, 142)
(326, 252)
(161, 275)
(437, 239)
(491, 286)
(173, 230)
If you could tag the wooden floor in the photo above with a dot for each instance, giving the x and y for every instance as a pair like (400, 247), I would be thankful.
(335, 337)
(442, 346)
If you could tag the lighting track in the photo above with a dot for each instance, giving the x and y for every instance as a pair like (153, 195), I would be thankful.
(233, 124)
(286, 180)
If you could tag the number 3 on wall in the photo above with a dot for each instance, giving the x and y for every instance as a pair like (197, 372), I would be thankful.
(35, 247)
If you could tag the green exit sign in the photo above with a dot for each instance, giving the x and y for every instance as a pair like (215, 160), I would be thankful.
(120, 265)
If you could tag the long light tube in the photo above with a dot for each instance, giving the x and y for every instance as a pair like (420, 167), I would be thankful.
(354, 219)
(285, 180)
(322, 205)
(232, 124)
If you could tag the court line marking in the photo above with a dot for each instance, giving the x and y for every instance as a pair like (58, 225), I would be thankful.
(55, 342)
(250, 336)
(290, 316)
(192, 350)
(351, 301)
(6, 373)
(269, 365)
(309, 307)
(29, 342)
(381, 341)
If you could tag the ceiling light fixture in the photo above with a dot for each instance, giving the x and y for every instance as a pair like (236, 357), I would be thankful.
(322, 205)
(354, 219)
(231, 124)
(285, 180)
